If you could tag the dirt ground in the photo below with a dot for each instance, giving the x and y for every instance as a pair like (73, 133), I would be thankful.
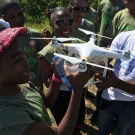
(89, 127)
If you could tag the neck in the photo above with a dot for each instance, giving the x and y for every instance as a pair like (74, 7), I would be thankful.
(77, 23)
(132, 11)
(8, 89)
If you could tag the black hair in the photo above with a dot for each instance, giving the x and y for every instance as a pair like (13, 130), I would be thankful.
(5, 4)
(50, 13)
(71, 2)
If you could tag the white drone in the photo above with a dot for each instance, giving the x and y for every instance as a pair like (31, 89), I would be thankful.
(86, 53)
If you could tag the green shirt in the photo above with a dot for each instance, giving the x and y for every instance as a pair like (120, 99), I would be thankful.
(92, 16)
(87, 25)
(106, 11)
(18, 111)
(30, 48)
(122, 21)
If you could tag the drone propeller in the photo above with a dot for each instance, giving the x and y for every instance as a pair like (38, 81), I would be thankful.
(59, 39)
(89, 32)
(76, 60)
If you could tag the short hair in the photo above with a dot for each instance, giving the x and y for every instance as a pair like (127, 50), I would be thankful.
(52, 12)
(72, 2)
(5, 4)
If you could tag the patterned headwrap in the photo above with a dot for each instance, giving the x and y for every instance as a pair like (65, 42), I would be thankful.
(7, 36)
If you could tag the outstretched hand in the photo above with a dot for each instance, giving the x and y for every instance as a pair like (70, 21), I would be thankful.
(106, 82)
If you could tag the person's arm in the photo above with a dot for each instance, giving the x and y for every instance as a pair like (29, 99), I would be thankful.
(68, 122)
(46, 71)
(115, 82)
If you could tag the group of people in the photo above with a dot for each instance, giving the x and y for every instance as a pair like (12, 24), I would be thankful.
(26, 64)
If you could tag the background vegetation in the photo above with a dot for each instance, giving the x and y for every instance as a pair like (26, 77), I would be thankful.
(34, 9)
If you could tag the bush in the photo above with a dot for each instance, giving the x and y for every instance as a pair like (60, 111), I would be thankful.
(34, 9)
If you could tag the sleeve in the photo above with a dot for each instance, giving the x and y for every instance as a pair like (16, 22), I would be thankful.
(47, 53)
(13, 121)
(14, 130)
(112, 30)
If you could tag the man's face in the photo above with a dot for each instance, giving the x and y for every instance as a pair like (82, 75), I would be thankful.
(62, 29)
(14, 16)
(14, 68)
(130, 4)
(78, 16)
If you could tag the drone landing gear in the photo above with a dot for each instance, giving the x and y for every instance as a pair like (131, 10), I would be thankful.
(82, 67)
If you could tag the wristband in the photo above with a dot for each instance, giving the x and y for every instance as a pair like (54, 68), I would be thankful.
(56, 79)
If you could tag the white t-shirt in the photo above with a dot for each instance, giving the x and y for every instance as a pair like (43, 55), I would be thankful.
(124, 70)
(6, 24)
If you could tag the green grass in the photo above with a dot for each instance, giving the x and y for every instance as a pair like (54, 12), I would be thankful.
(39, 26)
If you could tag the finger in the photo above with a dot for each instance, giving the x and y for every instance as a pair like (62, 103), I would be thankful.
(66, 71)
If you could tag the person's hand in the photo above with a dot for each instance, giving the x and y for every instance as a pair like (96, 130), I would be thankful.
(78, 79)
(46, 34)
(106, 82)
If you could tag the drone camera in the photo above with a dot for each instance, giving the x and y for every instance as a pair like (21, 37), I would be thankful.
(82, 65)
(127, 54)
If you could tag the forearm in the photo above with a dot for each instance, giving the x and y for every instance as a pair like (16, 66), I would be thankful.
(127, 87)
(47, 82)
(67, 125)
(51, 93)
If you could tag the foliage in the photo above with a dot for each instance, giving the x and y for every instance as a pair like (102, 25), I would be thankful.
(34, 9)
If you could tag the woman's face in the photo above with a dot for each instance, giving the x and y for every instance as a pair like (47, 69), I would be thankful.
(62, 24)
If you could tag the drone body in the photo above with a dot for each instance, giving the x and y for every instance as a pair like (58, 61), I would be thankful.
(87, 53)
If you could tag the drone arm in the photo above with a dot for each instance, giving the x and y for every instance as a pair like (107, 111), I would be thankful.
(106, 65)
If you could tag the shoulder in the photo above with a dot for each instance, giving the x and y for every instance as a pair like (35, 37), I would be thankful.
(93, 10)
(121, 12)
(88, 23)
(33, 31)
(124, 36)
